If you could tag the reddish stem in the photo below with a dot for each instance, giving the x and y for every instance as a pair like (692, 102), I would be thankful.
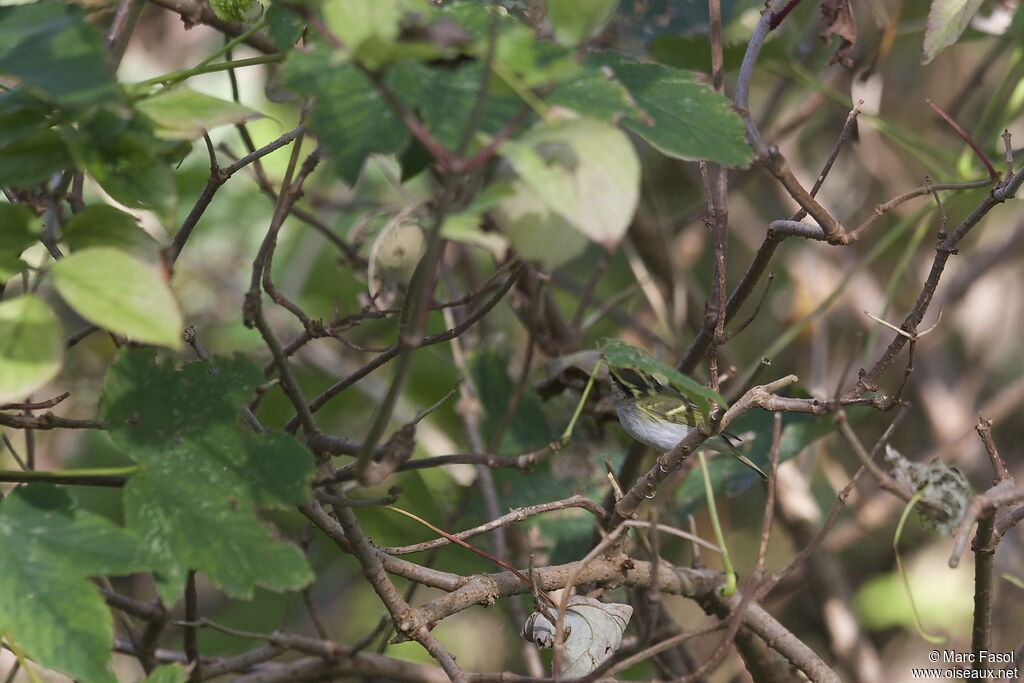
(992, 173)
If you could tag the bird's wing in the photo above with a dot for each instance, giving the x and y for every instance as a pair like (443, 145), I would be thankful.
(665, 403)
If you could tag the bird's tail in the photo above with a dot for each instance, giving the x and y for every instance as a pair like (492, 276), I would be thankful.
(732, 441)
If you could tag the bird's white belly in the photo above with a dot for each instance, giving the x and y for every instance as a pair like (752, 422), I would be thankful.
(643, 428)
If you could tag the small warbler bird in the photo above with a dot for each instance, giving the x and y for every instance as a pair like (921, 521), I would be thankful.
(658, 415)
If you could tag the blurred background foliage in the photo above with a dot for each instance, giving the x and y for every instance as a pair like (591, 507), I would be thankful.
(812, 324)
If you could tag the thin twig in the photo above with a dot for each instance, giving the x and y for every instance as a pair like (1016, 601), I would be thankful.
(978, 152)
(516, 515)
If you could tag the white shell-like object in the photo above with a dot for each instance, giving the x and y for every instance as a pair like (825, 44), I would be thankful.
(594, 633)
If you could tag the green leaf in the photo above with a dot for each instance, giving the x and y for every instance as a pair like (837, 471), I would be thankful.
(9, 267)
(238, 10)
(168, 673)
(691, 52)
(576, 20)
(465, 226)
(688, 120)
(356, 21)
(619, 354)
(535, 231)
(528, 428)
(202, 474)
(474, 18)
(183, 114)
(33, 159)
(22, 113)
(444, 99)
(283, 26)
(124, 156)
(101, 225)
(48, 607)
(947, 20)
(349, 116)
(533, 62)
(19, 229)
(51, 47)
(370, 28)
(584, 170)
(596, 95)
(120, 293)
(31, 346)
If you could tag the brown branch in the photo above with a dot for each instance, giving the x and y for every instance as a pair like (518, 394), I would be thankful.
(943, 249)
(140, 610)
(791, 227)
(191, 643)
(408, 621)
(219, 176)
(984, 591)
(885, 480)
(193, 12)
(1005, 492)
(253, 308)
(833, 515)
(47, 421)
(392, 351)
(364, 666)
(452, 538)
(516, 515)
(844, 135)
(36, 405)
(984, 429)
(782, 641)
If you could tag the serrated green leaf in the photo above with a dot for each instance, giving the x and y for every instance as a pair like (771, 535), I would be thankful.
(123, 155)
(21, 113)
(283, 26)
(533, 62)
(349, 116)
(31, 346)
(183, 114)
(473, 18)
(174, 421)
(584, 170)
(101, 225)
(444, 99)
(369, 27)
(48, 607)
(120, 293)
(238, 10)
(51, 47)
(168, 673)
(947, 20)
(19, 229)
(576, 20)
(619, 354)
(596, 95)
(30, 160)
(687, 119)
